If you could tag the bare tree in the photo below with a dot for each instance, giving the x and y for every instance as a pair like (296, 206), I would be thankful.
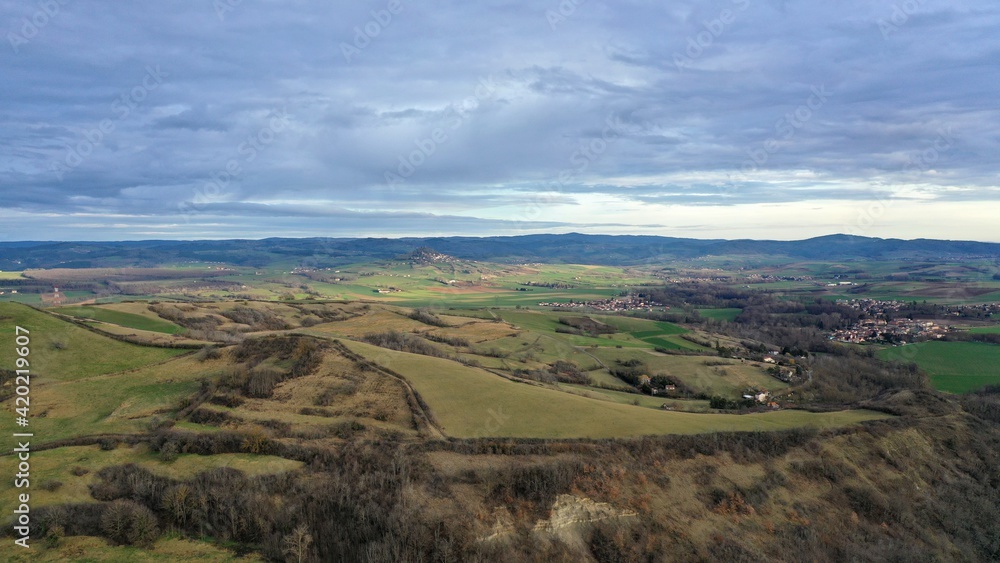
(297, 544)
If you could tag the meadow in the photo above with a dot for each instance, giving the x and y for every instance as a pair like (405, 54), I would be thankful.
(470, 402)
(126, 315)
(710, 375)
(61, 351)
(956, 367)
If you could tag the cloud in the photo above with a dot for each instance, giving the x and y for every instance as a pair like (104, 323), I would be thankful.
(489, 114)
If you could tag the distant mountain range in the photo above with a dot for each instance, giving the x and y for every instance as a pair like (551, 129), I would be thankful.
(563, 248)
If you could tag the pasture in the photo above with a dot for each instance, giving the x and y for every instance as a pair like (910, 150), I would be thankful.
(469, 402)
(113, 402)
(956, 367)
(703, 374)
(114, 314)
(62, 351)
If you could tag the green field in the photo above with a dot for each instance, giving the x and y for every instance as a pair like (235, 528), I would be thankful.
(469, 402)
(113, 403)
(130, 320)
(171, 548)
(986, 330)
(956, 367)
(61, 351)
(638, 399)
(727, 379)
(634, 333)
(28, 298)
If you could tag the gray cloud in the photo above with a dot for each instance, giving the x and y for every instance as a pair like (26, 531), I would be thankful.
(168, 110)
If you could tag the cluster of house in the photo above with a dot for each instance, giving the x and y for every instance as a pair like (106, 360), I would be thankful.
(614, 304)
(384, 290)
(878, 326)
(896, 330)
(697, 279)
(760, 396)
(780, 368)
(768, 278)
(646, 381)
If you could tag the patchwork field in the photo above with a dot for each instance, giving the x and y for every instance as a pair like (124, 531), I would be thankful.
(320, 397)
(956, 367)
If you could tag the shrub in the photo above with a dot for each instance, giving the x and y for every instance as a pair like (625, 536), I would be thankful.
(51, 485)
(130, 523)
(169, 451)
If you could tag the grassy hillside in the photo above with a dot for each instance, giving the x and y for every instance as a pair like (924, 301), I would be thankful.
(471, 402)
(116, 315)
(123, 402)
(702, 374)
(62, 351)
(956, 367)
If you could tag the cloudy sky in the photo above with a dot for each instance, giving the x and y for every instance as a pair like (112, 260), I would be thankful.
(777, 119)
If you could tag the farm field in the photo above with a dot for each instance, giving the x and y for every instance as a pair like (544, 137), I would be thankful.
(145, 337)
(636, 398)
(703, 374)
(635, 333)
(956, 367)
(168, 549)
(129, 315)
(470, 402)
(63, 352)
(119, 402)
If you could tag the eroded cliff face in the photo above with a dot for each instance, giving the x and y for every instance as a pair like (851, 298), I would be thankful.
(570, 511)
(569, 517)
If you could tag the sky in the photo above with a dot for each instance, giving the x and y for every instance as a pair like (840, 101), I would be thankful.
(766, 119)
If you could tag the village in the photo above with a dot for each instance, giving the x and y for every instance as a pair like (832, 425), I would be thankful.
(613, 304)
(879, 327)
